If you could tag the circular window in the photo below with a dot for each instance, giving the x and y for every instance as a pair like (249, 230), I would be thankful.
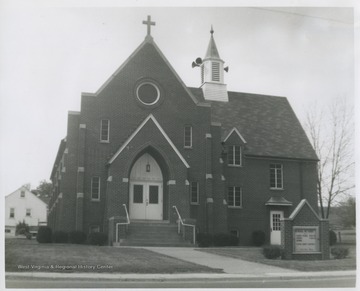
(148, 93)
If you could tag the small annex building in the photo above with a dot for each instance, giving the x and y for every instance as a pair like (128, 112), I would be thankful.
(145, 142)
(23, 205)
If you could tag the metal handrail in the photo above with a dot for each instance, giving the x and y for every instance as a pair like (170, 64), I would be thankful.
(122, 223)
(184, 224)
(127, 214)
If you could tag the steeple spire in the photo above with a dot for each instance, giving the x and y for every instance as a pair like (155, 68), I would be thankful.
(212, 51)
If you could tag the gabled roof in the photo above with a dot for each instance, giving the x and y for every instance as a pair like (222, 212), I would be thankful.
(267, 123)
(302, 204)
(27, 192)
(130, 138)
(145, 45)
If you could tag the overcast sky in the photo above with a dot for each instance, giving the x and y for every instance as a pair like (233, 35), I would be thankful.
(50, 53)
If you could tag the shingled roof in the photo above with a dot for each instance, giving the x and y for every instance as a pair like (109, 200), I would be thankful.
(267, 123)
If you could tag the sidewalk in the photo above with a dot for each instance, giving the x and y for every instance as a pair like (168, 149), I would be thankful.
(229, 265)
(233, 268)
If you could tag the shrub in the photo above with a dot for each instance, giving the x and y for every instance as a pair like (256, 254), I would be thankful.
(22, 228)
(225, 239)
(272, 252)
(332, 237)
(77, 237)
(204, 240)
(340, 252)
(60, 237)
(44, 234)
(258, 238)
(97, 238)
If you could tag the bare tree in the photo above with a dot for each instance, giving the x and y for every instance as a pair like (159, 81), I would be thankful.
(331, 133)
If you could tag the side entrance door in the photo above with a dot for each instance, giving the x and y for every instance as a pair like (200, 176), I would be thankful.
(275, 230)
(146, 200)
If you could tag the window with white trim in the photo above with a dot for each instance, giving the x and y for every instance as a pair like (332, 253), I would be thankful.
(188, 136)
(12, 212)
(95, 188)
(194, 193)
(276, 176)
(235, 196)
(105, 130)
(22, 194)
(234, 155)
(28, 212)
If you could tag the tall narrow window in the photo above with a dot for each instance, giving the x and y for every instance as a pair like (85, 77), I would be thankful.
(215, 72)
(187, 136)
(95, 188)
(235, 196)
(276, 176)
(12, 212)
(194, 199)
(22, 194)
(28, 212)
(105, 130)
(234, 155)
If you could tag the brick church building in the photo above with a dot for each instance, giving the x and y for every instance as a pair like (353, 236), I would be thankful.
(145, 143)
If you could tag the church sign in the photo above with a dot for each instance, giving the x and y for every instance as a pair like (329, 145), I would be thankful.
(306, 239)
(304, 235)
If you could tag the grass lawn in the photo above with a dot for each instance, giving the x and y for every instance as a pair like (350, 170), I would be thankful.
(22, 255)
(254, 254)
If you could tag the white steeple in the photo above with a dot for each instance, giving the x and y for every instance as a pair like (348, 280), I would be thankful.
(212, 74)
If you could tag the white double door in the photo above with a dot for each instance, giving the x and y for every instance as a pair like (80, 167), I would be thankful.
(146, 200)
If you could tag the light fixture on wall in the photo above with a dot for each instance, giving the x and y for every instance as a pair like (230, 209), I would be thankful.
(148, 165)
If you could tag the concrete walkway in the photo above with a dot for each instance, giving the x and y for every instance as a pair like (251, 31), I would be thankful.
(229, 265)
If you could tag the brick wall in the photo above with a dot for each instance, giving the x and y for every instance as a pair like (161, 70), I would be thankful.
(254, 178)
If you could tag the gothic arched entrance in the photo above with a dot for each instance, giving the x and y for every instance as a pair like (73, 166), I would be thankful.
(146, 189)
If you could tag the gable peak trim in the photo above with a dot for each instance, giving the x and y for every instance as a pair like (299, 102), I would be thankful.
(145, 121)
(237, 132)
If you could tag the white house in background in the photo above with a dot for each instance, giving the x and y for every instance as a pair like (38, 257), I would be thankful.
(22, 205)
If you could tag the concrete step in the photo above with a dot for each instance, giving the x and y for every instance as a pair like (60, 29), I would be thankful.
(153, 234)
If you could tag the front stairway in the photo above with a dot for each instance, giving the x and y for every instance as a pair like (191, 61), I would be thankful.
(153, 233)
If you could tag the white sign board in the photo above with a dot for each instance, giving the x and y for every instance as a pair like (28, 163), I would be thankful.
(306, 239)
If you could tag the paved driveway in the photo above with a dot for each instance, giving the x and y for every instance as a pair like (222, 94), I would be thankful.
(229, 265)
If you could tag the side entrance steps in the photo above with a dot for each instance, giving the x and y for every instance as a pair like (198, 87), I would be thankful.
(141, 233)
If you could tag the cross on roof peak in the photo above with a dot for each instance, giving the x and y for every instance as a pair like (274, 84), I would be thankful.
(149, 23)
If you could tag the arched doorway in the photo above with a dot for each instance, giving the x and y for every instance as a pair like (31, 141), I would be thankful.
(146, 189)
